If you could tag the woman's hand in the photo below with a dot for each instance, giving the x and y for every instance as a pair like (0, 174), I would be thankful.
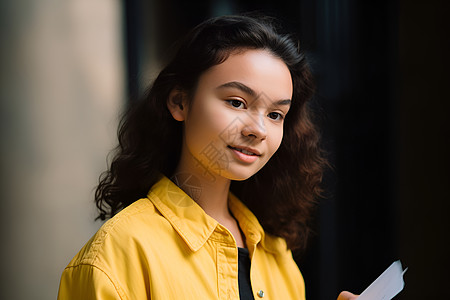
(347, 296)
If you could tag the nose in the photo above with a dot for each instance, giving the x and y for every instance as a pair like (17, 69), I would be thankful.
(254, 127)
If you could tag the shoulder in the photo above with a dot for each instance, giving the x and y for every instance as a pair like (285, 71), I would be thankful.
(119, 250)
(120, 234)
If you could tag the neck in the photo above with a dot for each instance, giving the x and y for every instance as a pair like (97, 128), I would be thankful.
(205, 187)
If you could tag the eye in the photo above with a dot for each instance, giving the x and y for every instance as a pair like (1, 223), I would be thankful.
(275, 116)
(236, 103)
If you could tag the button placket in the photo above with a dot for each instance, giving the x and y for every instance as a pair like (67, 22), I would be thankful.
(227, 264)
(256, 279)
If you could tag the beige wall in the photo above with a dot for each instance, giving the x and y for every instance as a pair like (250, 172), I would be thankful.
(62, 86)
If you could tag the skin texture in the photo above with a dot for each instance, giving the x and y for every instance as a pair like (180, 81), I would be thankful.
(220, 101)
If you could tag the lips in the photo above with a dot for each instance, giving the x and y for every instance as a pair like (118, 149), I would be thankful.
(246, 150)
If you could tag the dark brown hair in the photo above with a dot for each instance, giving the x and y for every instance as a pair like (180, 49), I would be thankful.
(283, 193)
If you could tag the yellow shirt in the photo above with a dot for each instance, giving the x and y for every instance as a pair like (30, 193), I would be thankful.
(166, 247)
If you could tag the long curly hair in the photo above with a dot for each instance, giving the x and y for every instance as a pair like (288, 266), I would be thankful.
(284, 193)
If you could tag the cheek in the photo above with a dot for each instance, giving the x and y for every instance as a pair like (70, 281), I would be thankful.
(276, 139)
(204, 125)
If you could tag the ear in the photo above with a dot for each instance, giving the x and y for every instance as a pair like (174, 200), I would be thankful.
(177, 104)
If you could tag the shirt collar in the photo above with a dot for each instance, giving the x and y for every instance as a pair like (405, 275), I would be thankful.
(195, 226)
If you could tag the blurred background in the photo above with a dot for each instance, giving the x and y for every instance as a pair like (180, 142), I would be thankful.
(68, 68)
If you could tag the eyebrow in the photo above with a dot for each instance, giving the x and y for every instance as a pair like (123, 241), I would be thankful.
(238, 85)
(248, 90)
(283, 102)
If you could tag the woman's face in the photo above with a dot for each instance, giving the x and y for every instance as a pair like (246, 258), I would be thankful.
(235, 122)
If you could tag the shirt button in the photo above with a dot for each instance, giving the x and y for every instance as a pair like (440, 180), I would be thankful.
(261, 293)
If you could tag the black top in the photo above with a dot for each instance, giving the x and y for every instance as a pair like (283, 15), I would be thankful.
(245, 288)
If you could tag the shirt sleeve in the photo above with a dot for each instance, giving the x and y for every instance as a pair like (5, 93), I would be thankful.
(88, 282)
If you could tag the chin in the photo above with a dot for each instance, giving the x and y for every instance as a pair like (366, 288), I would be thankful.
(240, 178)
(239, 175)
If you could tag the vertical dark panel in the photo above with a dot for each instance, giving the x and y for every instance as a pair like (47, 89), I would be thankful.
(354, 65)
(424, 146)
(133, 41)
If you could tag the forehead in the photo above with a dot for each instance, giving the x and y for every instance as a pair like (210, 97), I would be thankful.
(258, 69)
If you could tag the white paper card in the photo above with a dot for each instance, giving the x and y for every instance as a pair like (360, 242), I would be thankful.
(385, 287)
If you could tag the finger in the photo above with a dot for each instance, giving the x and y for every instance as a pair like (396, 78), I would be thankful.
(347, 296)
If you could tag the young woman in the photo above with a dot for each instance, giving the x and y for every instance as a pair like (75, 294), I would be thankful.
(214, 178)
